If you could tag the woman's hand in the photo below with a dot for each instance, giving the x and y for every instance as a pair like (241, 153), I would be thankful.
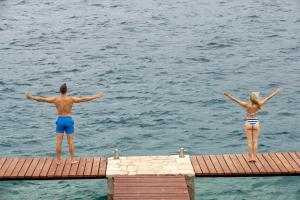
(226, 94)
(279, 90)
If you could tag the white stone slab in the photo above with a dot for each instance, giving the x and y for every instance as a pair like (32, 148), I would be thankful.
(150, 165)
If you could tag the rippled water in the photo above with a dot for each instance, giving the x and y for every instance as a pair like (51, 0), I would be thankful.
(164, 66)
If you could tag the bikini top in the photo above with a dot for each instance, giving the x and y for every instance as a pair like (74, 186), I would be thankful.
(252, 113)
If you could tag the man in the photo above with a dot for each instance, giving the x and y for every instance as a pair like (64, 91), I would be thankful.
(64, 123)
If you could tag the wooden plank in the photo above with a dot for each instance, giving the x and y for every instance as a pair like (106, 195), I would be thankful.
(244, 163)
(52, 169)
(265, 163)
(142, 183)
(295, 157)
(209, 165)
(260, 166)
(278, 163)
(17, 169)
(60, 168)
(67, 168)
(252, 166)
(237, 164)
(298, 154)
(96, 167)
(146, 197)
(292, 162)
(195, 165)
(73, 169)
(223, 165)
(146, 179)
(204, 168)
(230, 164)
(39, 168)
(32, 167)
(11, 167)
(216, 164)
(285, 163)
(272, 164)
(46, 167)
(137, 196)
(24, 168)
(2, 161)
(5, 166)
(149, 189)
(103, 165)
(88, 167)
(81, 167)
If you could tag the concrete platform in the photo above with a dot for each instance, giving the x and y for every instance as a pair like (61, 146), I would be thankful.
(150, 165)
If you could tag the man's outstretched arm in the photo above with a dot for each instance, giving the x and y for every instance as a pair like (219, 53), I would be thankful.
(87, 98)
(40, 99)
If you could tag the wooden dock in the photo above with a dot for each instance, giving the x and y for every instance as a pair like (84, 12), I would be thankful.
(46, 168)
(150, 188)
(267, 164)
(151, 177)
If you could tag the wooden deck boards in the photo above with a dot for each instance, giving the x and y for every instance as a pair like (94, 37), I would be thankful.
(46, 168)
(150, 188)
(267, 164)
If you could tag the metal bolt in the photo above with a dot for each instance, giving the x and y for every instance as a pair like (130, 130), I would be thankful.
(181, 152)
(116, 154)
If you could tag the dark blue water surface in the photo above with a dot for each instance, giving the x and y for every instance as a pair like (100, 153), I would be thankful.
(164, 66)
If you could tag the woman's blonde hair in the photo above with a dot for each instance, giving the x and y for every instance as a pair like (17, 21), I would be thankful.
(254, 98)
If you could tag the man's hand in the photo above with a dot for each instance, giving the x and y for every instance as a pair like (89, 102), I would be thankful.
(100, 94)
(28, 95)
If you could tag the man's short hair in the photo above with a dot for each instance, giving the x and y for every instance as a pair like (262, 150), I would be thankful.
(63, 88)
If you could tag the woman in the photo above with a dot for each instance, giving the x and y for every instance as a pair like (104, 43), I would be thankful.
(252, 126)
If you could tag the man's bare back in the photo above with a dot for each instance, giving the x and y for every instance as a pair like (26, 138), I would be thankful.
(64, 105)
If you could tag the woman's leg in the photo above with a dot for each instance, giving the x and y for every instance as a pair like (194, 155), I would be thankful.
(248, 131)
(256, 131)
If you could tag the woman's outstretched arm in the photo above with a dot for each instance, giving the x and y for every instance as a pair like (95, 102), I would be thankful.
(264, 101)
(232, 98)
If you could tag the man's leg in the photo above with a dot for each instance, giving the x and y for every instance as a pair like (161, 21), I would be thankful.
(59, 139)
(71, 148)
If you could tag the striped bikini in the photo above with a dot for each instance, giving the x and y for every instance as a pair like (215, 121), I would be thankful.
(252, 122)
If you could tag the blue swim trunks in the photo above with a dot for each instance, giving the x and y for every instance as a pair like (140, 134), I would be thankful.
(64, 125)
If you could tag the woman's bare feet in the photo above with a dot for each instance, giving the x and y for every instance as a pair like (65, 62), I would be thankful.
(253, 159)
(250, 158)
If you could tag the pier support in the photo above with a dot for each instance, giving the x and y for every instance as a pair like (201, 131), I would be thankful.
(110, 188)
(190, 181)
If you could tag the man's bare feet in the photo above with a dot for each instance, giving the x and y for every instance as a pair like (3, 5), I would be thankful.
(73, 161)
(57, 160)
